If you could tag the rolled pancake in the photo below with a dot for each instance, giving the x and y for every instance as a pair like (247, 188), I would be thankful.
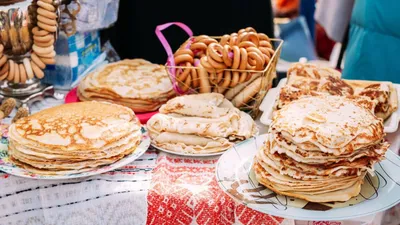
(187, 143)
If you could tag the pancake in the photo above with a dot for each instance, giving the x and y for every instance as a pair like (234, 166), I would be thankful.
(74, 137)
(201, 123)
(136, 83)
(319, 148)
(332, 124)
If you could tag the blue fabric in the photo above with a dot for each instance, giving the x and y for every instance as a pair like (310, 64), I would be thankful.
(298, 42)
(307, 9)
(374, 41)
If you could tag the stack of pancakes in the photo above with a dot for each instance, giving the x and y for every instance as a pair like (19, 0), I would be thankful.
(202, 123)
(320, 148)
(308, 79)
(137, 84)
(74, 138)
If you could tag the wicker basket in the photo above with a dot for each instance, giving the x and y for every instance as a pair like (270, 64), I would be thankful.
(245, 101)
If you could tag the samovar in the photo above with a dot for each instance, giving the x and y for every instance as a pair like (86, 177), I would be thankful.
(28, 31)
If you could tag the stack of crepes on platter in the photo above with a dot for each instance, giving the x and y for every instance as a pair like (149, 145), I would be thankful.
(137, 84)
(200, 124)
(312, 80)
(320, 149)
(73, 138)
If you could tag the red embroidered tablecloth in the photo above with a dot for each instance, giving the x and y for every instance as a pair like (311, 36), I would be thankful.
(185, 191)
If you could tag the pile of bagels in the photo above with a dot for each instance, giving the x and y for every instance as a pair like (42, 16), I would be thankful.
(228, 65)
(43, 52)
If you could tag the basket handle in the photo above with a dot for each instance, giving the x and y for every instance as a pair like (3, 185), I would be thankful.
(167, 47)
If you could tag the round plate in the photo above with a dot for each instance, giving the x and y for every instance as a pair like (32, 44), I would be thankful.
(188, 154)
(143, 117)
(8, 167)
(236, 177)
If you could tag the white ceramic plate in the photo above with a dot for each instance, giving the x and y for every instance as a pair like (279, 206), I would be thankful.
(10, 168)
(188, 154)
(235, 176)
(267, 106)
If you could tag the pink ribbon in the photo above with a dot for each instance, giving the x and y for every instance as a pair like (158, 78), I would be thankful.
(167, 47)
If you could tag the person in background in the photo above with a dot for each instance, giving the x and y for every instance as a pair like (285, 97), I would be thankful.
(133, 36)
(374, 41)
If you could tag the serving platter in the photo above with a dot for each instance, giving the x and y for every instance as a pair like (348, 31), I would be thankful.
(267, 107)
(10, 168)
(188, 154)
(235, 176)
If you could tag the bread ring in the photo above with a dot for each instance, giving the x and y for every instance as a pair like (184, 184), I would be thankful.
(208, 41)
(243, 59)
(241, 37)
(46, 20)
(183, 58)
(214, 51)
(266, 44)
(184, 51)
(46, 13)
(16, 74)
(241, 31)
(252, 37)
(3, 60)
(216, 65)
(1, 48)
(49, 28)
(225, 39)
(225, 55)
(28, 68)
(236, 57)
(4, 69)
(37, 71)
(48, 61)
(235, 79)
(44, 44)
(22, 73)
(186, 85)
(44, 39)
(42, 50)
(181, 77)
(201, 37)
(3, 76)
(195, 78)
(263, 37)
(233, 40)
(243, 77)
(250, 29)
(205, 64)
(259, 60)
(47, 6)
(213, 78)
(219, 77)
(11, 71)
(36, 31)
(199, 46)
(203, 79)
(226, 79)
(247, 44)
(49, 55)
(48, 1)
(265, 51)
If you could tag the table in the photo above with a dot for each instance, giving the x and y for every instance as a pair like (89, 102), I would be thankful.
(158, 188)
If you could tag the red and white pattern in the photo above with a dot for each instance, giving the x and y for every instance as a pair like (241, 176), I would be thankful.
(185, 191)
